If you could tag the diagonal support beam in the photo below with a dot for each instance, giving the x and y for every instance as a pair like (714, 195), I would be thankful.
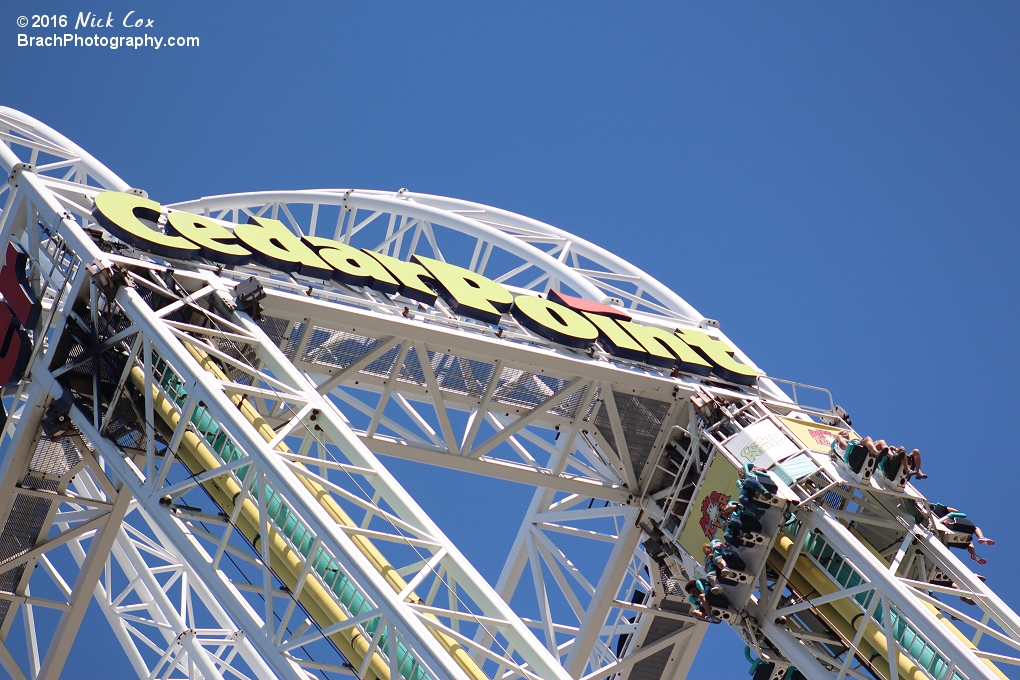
(84, 585)
(500, 469)
(536, 413)
(628, 662)
(55, 542)
(437, 398)
(605, 593)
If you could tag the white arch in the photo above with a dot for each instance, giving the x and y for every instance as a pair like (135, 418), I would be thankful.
(582, 247)
(34, 128)
(508, 230)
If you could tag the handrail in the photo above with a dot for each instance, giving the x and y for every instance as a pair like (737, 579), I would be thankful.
(794, 384)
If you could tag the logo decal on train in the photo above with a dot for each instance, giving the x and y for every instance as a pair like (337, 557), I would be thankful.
(822, 437)
(713, 516)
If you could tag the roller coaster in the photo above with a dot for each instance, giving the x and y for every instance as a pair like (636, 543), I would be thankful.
(199, 397)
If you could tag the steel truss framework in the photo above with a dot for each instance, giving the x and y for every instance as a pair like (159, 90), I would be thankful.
(215, 486)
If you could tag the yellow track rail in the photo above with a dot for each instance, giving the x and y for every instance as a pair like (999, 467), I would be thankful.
(321, 604)
(845, 617)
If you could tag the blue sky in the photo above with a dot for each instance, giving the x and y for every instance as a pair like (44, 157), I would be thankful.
(836, 183)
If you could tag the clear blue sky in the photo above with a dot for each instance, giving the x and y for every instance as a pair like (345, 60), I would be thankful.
(835, 182)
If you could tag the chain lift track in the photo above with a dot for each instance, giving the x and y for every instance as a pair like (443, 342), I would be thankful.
(207, 469)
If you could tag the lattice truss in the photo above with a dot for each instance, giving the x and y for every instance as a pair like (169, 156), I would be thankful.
(451, 394)
(209, 476)
(376, 369)
(156, 360)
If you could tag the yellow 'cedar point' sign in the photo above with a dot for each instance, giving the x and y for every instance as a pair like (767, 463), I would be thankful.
(560, 318)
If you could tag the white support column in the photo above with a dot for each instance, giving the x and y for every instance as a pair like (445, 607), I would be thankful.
(281, 478)
(605, 593)
(795, 651)
(84, 586)
(191, 552)
(688, 649)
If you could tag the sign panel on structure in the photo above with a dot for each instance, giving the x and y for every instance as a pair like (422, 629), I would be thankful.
(815, 436)
(762, 444)
(707, 518)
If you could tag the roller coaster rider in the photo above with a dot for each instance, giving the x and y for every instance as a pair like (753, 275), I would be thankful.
(702, 596)
(755, 481)
(720, 557)
(959, 523)
(746, 512)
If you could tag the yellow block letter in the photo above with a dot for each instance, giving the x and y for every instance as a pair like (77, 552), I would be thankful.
(352, 266)
(615, 340)
(413, 278)
(553, 321)
(720, 354)
(667, 350)
(276, 246)
(467, 293)
(216, 242)
(122, 214)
